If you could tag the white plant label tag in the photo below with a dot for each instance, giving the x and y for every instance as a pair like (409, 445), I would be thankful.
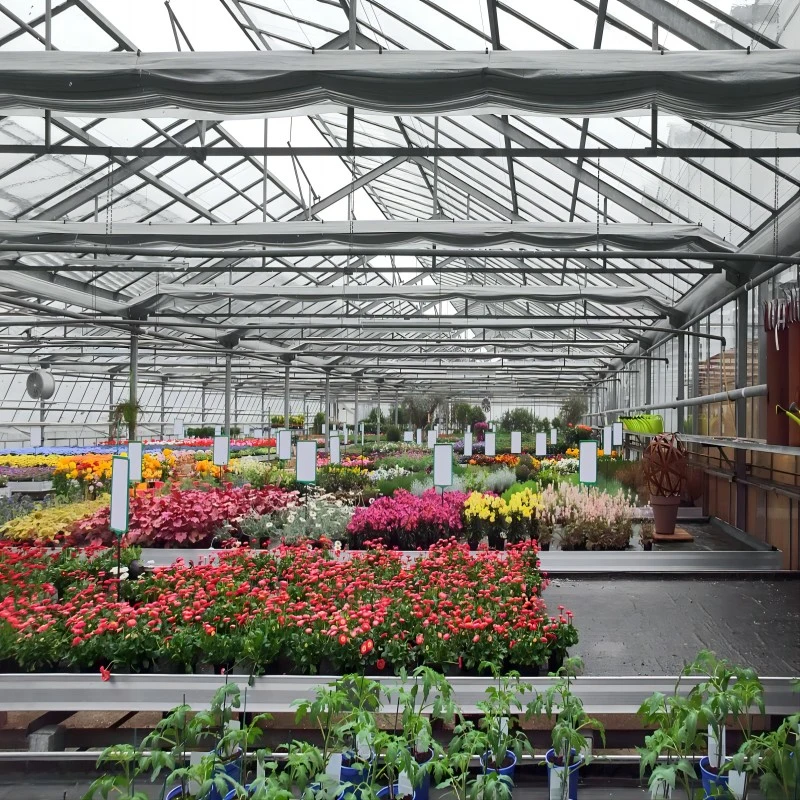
(260, 771)
(503, 724)
(736, 783)
(556, 776)
(716, 750)
(333, 769)
(404, 787)
(362, 746)
(419, 745)
(661, 790)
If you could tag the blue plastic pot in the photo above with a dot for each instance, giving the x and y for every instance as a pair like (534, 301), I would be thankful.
(233, 769)
(711, 779)
(574, 766)
(383, 794)
(356, 775)
(422, 792)
(507, 771)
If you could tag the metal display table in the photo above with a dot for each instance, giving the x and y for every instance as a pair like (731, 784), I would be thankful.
(276, 693)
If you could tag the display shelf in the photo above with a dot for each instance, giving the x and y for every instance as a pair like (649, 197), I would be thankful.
(277, 693)
(556, 562)
(754, 445)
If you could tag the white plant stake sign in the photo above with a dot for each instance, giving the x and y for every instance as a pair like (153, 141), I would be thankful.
(408, 436)
(222, 451)
(284, 445)
(587, 467)
(541, 444)
(419, 437)
(468, 443)
(607, 446)
(135, 461)
(516, 442)
(306, 466)
(443, 466)
(335, 449)
(489, 443)
(617, 438)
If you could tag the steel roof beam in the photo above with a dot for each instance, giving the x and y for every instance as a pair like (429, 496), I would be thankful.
(686, 27)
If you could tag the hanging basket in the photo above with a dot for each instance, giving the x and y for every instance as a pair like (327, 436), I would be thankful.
(643, 423)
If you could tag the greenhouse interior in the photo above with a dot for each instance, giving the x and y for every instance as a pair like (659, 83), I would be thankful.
(399, 399)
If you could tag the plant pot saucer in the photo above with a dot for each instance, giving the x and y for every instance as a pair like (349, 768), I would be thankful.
(680, 535)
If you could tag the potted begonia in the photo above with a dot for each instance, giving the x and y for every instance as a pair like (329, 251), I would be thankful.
(664, 468)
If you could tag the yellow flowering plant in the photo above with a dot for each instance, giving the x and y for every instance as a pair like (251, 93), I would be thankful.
(499, 519)
(45, 524)
(34, 460)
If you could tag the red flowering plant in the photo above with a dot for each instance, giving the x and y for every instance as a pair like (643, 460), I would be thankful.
(291, 609)
(182, 518)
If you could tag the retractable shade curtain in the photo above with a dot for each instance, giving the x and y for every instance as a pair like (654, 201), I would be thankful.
(761, 87)
(548, 294)
(373, 233)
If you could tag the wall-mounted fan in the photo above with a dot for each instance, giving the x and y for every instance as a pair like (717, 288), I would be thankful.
(41, 385)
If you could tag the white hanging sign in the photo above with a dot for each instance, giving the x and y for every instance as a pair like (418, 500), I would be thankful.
(419, 437)
(177, 429)
(333, 769)
(553, 436)
(431, 438)
(36, 436)
(306, 462)
(344, 433)
(222, 451)
(335, 449)
(587, 468)
(516, 442)
(541, 444)
(489, 443)
(607, 446)
(443, 465)
(617, 433)
(467, 444)
(324, 429)
(120, 474)
(408, 436)
(135, 452)
(217, 430)
(284, 444)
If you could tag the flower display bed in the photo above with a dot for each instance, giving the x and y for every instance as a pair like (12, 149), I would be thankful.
(180, 518)
(293, 610)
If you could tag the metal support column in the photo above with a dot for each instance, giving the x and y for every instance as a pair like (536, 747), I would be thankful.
(680, 387)
(695, 378)
(355, 415)
(163, 392)
(327, 413)
(648, 382)
(235, 405)
(396, 407)
(110, 407)
(203, 405)
(263, 423)
(740, 456)
(227, 422)
(133, 381)
(286, 370)
(378, 415)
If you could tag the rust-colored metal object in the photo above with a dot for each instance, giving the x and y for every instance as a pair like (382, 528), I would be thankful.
(664, 465)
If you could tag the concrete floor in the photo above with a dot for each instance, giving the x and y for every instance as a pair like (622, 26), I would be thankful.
(653, 627)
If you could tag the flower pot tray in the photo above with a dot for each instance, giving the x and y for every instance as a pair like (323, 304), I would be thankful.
(680, 535)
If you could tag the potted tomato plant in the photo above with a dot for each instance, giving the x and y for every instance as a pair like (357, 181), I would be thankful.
(570, 749)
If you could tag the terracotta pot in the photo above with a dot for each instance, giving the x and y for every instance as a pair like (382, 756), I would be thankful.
(665, 513)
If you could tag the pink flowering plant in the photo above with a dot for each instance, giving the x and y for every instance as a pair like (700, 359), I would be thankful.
(406, 521)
